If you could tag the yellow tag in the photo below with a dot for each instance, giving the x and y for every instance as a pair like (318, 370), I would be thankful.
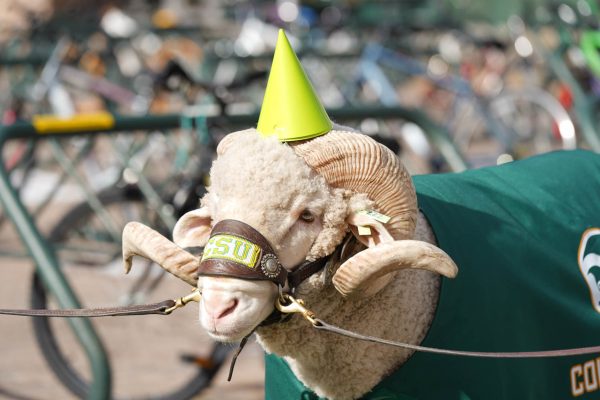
(363, 230)
(232, 248)
(77, 123)
(384, 219)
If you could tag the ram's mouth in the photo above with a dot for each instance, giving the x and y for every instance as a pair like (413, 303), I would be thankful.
(225, 338)
(227, 334)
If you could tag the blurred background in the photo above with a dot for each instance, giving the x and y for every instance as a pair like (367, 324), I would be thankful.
(111, 112)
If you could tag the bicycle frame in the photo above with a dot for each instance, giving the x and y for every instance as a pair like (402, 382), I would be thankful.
(369, 69)
(375, 55)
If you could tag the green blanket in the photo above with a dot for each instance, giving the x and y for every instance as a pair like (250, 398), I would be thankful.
(523, 237)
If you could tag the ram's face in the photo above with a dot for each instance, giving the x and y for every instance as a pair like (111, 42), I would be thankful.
(261, 183)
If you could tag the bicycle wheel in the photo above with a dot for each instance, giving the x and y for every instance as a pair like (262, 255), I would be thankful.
(82, 238)
(537, 121)
(518, 123)
(136, 347)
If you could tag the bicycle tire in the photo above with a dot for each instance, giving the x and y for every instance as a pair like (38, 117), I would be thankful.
(531, 121)
(544, 105)
(46, 336)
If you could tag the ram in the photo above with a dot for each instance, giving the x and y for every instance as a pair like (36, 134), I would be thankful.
(334, 219)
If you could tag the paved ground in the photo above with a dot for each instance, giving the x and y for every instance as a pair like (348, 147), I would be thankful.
(144, 350)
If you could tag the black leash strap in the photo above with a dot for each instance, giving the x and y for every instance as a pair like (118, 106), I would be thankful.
(236, 354)
(165, 307)
(300, 274)
(142, 309)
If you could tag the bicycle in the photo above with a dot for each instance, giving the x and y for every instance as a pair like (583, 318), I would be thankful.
(483, 129)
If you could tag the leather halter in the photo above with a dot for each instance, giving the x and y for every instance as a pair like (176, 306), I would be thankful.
(237, 250)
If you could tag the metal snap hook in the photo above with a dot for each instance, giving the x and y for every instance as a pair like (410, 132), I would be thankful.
(182, 301)
(287, 304)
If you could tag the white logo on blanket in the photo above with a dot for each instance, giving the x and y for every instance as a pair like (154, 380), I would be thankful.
(589, 263)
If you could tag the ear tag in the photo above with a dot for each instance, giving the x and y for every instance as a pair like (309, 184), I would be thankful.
(384, 219)
(364, 230)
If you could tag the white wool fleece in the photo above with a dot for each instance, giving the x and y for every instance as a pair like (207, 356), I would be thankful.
(263, 183)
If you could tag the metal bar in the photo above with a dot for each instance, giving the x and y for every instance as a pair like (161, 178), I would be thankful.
(63, 178)
(27, 130)
(373, 73)
(152, 196)
(35, 58)
(441, 137)
(50, 70)
(90, 194)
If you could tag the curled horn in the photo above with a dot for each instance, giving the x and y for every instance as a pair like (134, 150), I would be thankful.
(140, 240)
(354, 161)
(367, 272)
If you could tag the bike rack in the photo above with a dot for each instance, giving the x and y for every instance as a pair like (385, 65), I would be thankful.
(42, 253)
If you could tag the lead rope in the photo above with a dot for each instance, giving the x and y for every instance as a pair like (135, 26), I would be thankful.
(162, 308)
(293, 305)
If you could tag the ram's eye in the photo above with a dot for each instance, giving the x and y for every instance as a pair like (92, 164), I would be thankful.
(307, 216)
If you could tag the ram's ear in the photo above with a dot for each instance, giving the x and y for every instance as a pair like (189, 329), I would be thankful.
(193, 228)
(368, 230)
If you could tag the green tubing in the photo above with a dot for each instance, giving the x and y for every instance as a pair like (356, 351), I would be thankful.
(26, 130)
(590, 46)
(50, 272)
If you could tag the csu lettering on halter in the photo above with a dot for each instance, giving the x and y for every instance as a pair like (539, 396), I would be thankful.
(232, 248)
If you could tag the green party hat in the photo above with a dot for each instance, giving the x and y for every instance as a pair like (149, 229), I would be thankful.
(291, 109)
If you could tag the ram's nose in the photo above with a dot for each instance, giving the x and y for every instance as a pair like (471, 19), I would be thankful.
(219, 305)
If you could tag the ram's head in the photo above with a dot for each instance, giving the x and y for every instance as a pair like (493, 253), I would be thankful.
(304, 198)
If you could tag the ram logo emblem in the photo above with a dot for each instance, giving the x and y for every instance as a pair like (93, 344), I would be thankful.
(589, 263)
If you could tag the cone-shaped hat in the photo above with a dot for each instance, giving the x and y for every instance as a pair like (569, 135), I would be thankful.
(291, 109)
